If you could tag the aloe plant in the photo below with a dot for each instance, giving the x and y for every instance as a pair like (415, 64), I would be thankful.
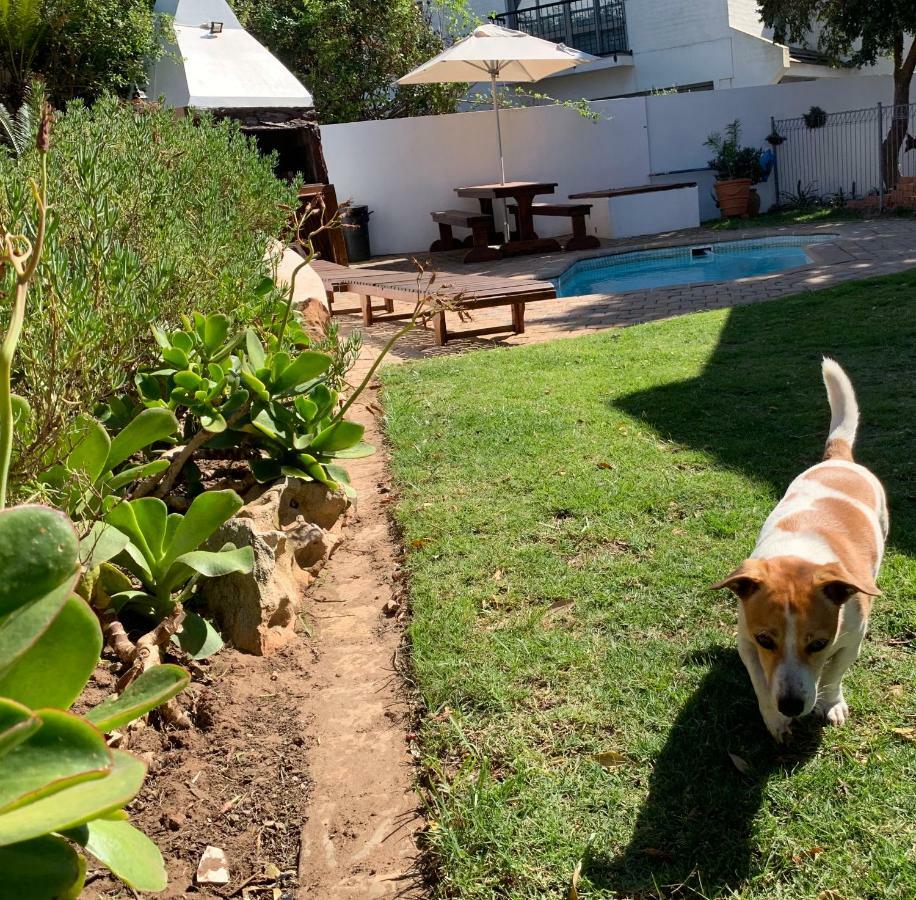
(62, 789)
(164, 554)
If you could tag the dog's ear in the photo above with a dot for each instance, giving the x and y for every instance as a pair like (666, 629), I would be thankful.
(838, 585)
(746, 579)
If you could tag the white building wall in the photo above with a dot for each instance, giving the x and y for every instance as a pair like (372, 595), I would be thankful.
(744, 16)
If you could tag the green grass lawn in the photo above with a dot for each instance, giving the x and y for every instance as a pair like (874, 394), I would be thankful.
(565, 507)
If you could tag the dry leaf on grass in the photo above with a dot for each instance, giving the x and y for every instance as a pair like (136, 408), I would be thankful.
(610, 759)
(813, 853)
(574, 884)
(740, 764)
(559, 604)
(908, 734)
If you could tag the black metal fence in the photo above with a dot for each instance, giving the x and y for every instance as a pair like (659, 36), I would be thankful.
(855, 155)
(595, 26)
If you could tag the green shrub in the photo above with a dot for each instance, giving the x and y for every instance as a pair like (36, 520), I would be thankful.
(152, 216)
(80, 48)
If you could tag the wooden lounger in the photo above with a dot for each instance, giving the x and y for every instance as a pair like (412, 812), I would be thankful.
(474, 292)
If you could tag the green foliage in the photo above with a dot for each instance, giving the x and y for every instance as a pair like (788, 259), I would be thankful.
(245, 393)
(858, 32)
(198, 374)
(350, 52)
(164, 554)
(17, 130)
(60, 784)
(80, 48)
(96, 469)
(153, 216)
(731, 159)
(816, 117)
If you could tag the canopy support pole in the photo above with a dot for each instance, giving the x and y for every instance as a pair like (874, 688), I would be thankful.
(499, 140)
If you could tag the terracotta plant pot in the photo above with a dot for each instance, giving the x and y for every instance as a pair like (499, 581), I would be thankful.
(733, 196)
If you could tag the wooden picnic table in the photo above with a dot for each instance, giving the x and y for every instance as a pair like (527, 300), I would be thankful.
(523, 194)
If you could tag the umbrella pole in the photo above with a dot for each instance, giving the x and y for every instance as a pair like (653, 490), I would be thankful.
(502, 163)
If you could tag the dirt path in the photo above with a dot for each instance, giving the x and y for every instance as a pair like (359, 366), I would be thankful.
(359, 838)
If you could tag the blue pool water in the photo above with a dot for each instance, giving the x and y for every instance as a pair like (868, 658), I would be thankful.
(693, 264)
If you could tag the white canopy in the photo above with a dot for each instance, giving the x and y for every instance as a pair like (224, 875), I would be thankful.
(493, 52)
(229, 70)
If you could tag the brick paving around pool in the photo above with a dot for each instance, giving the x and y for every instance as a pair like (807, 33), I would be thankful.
(860, 249)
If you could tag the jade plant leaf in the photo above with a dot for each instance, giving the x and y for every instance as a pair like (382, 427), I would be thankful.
(148, 427)
(55, 669)
(339, 436)
(77, 804)
(101, 543)
(90, 448)
(38, 548)
(63, 751)
(45, 868)
(22, 628)
(144, 522)
(198, 638)
(306, 366)
(17, 723)
(127, 852)
(154, 687)
(215, 331)
(205, 514)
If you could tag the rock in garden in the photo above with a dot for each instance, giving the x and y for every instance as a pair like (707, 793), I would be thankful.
(213, 867)
(288, 526)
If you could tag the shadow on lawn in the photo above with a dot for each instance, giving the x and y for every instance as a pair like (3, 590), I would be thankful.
(759, 406)
(695, 834)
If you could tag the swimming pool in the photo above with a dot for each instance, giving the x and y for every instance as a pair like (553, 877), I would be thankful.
(692, 264)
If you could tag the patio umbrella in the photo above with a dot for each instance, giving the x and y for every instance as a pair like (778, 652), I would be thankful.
(502, 55)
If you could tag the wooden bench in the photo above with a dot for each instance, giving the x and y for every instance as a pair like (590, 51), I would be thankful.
(581, 239)
(471, 292)
(481, 226)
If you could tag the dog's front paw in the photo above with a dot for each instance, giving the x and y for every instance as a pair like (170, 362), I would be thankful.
(778, 725)
(835, 712)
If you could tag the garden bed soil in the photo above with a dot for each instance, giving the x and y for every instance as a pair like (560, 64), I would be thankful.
(298, 766)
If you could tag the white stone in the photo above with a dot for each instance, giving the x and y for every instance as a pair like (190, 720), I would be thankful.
(213, 867)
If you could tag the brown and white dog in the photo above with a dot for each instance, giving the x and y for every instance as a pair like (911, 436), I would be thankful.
(806, 590)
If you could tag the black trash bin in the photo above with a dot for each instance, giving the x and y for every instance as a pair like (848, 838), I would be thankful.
(355, 220)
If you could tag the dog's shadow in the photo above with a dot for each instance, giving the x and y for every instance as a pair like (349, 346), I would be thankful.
(695, 831)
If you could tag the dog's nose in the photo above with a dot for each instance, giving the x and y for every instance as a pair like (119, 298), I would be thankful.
(790, 705)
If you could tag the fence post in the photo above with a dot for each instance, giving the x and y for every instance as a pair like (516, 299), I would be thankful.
(880, 157)
(775, 160)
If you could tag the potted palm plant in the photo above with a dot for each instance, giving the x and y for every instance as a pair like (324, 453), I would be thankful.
(737, 168)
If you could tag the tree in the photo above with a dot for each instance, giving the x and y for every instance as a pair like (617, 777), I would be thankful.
(349, 53)
(79, 48)
(858, 32)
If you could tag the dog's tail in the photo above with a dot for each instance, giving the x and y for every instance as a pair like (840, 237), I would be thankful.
(844, 411)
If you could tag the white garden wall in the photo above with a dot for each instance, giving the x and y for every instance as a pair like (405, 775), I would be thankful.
(405, 168)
